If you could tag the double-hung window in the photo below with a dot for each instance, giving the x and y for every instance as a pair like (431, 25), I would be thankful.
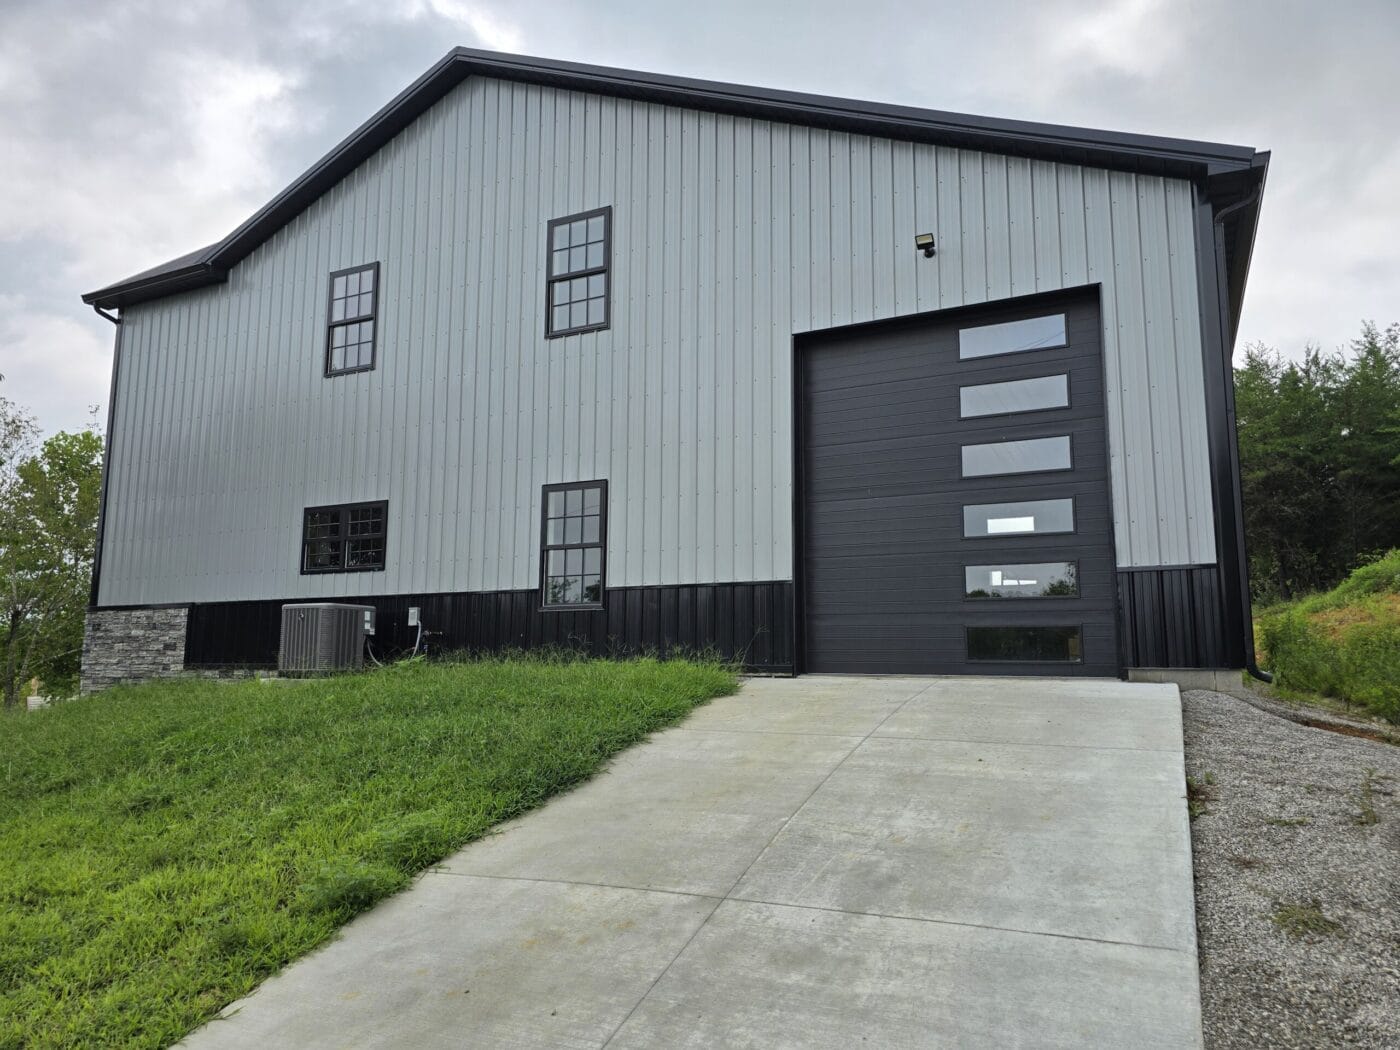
(578, 290)
(345, 538)
(574, 545)
(351, 322)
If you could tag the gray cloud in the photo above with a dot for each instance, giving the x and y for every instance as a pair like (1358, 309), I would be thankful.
(136, 131)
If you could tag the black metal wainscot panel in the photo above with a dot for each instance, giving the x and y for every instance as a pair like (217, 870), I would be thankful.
(750, 621)
(1174, 616)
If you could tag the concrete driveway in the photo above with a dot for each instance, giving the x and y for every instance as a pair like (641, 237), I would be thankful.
(815, 862)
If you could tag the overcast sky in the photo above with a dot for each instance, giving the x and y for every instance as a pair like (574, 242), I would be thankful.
(133, 132)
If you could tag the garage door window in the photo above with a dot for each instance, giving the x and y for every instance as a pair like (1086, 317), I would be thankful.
(1025, 644)
(1016, 457)
(1030, 517)
(1049, 579)
(1018, 395)
(1012, 337)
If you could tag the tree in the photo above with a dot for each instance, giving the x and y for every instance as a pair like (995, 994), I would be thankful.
(1318, 443)
(48, 528)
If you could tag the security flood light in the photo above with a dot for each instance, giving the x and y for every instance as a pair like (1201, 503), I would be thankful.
(924, 243)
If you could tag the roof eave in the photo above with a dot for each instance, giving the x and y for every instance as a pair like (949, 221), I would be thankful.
(128, 293)
(1143, 153)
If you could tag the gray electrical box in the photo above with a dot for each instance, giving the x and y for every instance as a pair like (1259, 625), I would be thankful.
(321, 637)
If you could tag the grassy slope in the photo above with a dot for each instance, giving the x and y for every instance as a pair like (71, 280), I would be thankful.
(165, 847)
(1344, 643)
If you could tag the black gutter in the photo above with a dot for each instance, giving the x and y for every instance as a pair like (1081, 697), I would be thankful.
(1236, 482)
(1220, 275)
(106, 455)
(1181, 158)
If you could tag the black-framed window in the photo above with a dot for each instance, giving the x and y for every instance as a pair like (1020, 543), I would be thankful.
(351, 319)
(1061, 645)
(349, 537)
(1012, 337)
(1028, 456)
(1043, 579)
(573, 547)
(1024, 518)
(578, 292)
(1013, 396)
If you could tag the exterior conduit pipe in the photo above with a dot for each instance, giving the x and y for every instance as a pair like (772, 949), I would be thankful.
(1251, 661)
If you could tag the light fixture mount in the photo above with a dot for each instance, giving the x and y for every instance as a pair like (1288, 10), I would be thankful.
(924, 242)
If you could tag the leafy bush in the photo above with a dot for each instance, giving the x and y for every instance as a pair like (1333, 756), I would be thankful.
(1344, 643)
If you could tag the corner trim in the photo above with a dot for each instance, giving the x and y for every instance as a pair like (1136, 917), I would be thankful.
(1227, 505)
(107, 445)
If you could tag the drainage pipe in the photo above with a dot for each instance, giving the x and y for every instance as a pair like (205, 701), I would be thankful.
(1251, 662)
(106, 451)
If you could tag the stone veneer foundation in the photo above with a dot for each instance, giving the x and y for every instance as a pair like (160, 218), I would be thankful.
(132, 645)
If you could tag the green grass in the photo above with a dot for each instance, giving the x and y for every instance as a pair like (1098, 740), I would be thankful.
(1199, 791)
(163, 848)
(1343, 644)
(1304, 919)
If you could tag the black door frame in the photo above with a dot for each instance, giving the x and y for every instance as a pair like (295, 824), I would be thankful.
(801, 342)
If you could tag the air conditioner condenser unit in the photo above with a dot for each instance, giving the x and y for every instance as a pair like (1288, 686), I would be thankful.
(323, 637)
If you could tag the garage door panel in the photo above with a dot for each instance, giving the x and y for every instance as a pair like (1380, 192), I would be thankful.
(891, 461)
(885, 557)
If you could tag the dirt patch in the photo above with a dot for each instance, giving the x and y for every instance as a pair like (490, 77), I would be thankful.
(1297, 856)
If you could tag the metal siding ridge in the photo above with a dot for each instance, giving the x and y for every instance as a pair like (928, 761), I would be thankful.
(972, 207)
(996, 226)
(1165, 396)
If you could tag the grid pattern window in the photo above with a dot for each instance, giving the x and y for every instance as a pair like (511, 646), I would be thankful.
(354, 300)
(575, 539)
(346, 538)
(580, 248)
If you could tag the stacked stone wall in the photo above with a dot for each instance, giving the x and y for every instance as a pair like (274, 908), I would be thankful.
(132, 645)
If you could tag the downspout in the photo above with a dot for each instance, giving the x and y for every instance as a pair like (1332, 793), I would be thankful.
(106, 451)
(1251, 661)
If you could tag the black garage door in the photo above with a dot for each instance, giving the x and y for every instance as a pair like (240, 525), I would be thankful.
(956, 502)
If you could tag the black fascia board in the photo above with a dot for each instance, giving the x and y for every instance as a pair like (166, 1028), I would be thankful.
(1148, 154)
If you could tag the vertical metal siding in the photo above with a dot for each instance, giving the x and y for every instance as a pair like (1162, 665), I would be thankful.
(729, 236)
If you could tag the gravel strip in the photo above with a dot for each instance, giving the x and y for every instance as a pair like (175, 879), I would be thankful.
(1297, 852)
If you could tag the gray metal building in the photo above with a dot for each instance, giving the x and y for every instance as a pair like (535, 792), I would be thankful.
(570, 355)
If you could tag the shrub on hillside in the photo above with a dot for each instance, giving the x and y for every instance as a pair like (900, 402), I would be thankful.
(1344, 643)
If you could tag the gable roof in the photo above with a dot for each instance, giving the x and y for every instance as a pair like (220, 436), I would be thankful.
(1229, 174)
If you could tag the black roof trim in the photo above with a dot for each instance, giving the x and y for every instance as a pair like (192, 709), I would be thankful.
(1109, 149)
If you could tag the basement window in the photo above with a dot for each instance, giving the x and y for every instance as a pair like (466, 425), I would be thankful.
(345, 538)
(577, 293)
(574, 547)
(354, 300)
